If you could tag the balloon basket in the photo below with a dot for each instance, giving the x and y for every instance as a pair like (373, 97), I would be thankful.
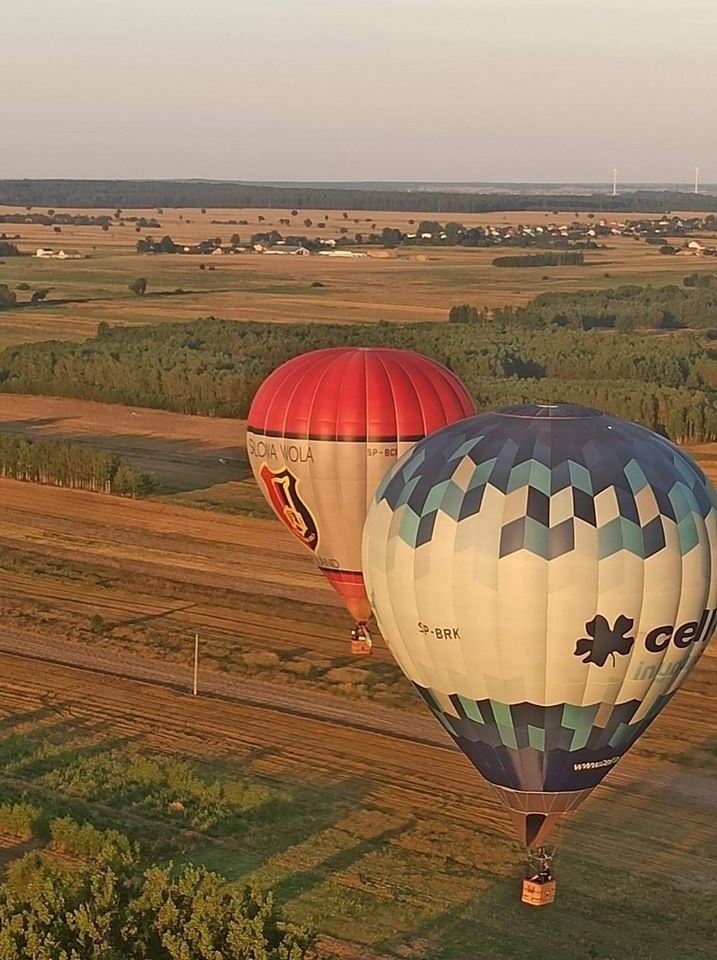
(361, 648)
(538, 894)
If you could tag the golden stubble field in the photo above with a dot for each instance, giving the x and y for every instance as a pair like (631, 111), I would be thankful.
(406, 285)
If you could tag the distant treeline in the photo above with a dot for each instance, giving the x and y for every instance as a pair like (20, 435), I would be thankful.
(625, 308)
(214, 367)
(51, 219)
(62, 464)
(168, 193)
(541, 260)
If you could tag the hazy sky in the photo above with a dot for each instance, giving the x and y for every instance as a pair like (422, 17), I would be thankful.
(359, 89)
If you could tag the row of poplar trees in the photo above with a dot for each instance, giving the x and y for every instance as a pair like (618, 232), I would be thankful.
(63, 464)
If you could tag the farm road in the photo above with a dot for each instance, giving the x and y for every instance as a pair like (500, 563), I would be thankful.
(632, 773)
(289, 700)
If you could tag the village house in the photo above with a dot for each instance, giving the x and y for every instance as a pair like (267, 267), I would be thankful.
(47, 253)
(353, 254)
(286, 249)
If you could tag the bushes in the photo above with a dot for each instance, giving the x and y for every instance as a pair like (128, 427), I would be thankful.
(85, 842)
(151, 784)
(18, 820)
(703, 280)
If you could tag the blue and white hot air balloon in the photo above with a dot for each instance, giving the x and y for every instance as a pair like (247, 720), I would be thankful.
(545, 576)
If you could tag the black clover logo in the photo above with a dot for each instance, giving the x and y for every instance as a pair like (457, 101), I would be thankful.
(604, 641)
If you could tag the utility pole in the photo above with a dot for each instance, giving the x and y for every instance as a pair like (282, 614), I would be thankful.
(614, 182)
(196, 664)
(697, 180)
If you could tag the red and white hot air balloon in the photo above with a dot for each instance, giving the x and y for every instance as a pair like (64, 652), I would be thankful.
(322, 431)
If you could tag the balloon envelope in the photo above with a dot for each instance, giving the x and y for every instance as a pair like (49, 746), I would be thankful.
(321, 433)
(545, 575)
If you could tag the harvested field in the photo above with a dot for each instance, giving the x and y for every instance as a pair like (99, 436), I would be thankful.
(405, 285)
(198, 460)
(187, 454)
(156, 573)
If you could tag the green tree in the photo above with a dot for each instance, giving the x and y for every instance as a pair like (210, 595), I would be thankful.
(454, 232)
(8, 297)
(463, 313)
(109, 911)
(125, 481)
(391, 237)
(138, 287)
(146, 484)
(192, 916)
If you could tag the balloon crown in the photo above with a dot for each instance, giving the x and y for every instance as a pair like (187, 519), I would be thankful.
(550, 411)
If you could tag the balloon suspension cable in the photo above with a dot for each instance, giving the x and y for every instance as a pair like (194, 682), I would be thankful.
(540, 862)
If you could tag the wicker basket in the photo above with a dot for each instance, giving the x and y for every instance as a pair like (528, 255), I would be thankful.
(538, 894)
(361, 648)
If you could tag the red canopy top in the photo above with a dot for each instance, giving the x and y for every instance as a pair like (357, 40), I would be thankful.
(357, 393)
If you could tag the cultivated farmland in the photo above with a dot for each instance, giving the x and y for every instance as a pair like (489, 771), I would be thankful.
(404, 285)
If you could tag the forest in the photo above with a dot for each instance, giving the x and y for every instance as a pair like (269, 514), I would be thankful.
(63, 464)
(178, 193)
(551, 350)
(625, 308)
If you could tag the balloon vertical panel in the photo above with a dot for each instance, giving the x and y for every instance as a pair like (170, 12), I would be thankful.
(320, 490)
(323, 430)
(546, 582)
